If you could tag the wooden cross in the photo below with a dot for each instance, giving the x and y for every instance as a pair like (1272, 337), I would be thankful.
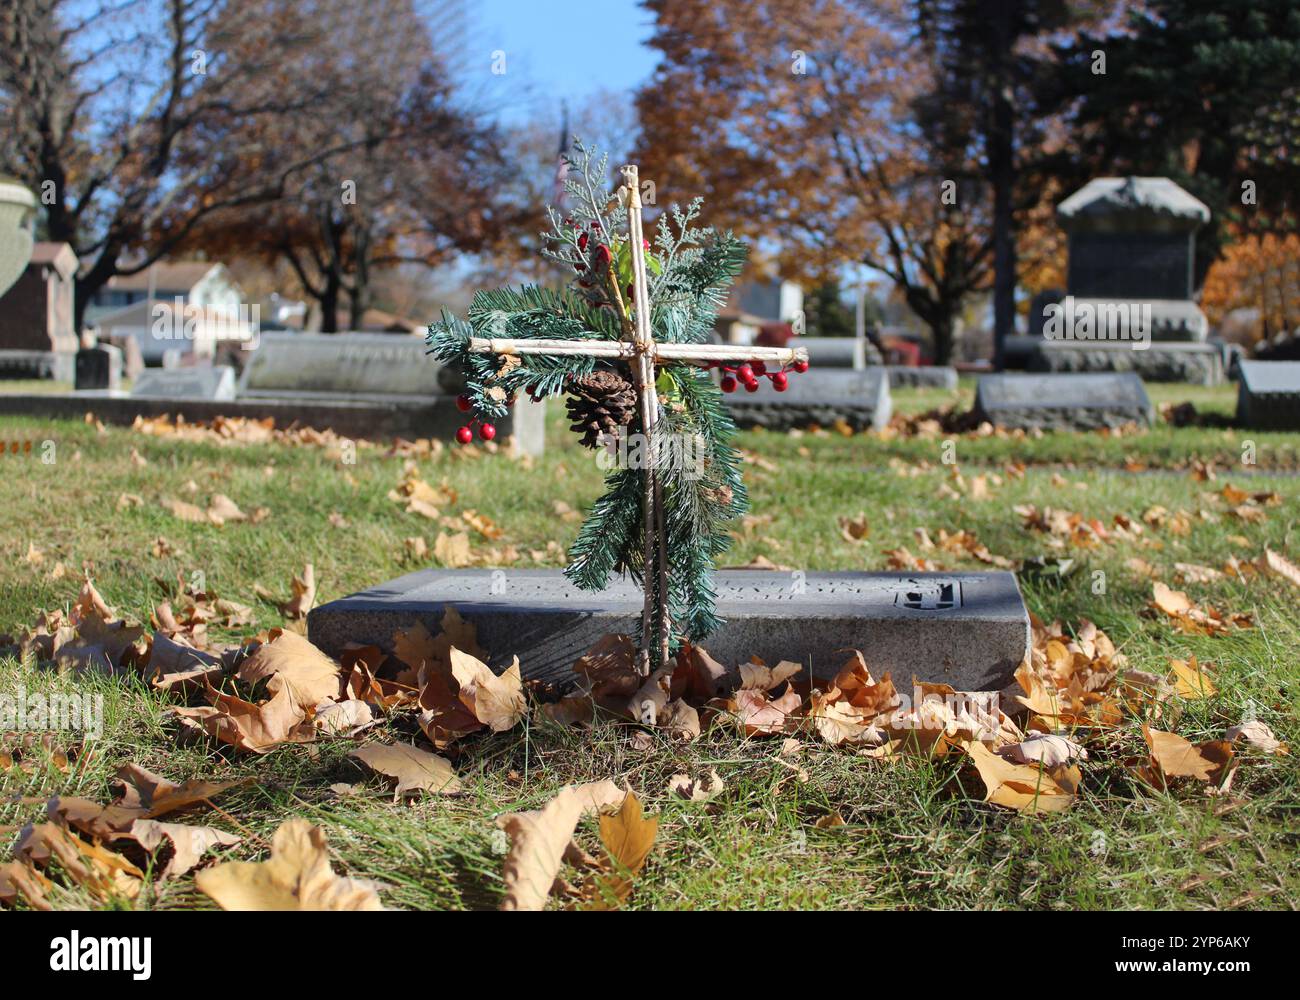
(639, 347)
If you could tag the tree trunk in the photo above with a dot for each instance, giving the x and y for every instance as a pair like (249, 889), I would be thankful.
(942, 330)
(1001, 139)
(329, 304)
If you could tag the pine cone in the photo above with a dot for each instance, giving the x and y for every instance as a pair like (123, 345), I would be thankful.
(600, 403)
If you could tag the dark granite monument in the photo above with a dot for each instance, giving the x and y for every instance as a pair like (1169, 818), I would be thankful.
(1129, 303)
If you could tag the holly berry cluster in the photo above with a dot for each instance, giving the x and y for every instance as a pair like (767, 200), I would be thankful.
(486, 431)
(598, 262)
(748, 373)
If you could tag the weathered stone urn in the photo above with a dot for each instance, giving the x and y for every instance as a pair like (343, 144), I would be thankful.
(17, 226)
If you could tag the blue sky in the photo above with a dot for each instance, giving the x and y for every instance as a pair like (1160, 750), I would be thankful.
(562, 49)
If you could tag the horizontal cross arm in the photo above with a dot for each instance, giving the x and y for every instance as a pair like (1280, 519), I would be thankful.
(627, 349)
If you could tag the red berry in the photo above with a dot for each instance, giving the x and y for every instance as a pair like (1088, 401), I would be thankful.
(728, 384)
(759, 367)
(745, 373)
(582, 241)
(603, 256)
(645, 244)
(751, 385)
(779, 381)
(579, 266)
(487, 432)
(464, 435)
(463, 404)
(801, 366)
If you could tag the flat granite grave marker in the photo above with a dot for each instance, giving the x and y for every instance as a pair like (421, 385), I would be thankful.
(970, 630)
(1063, 402)
(1268, 395)
(860, 398)
(216, 382)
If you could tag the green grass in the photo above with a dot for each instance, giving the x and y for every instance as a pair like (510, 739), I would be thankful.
(916, 834)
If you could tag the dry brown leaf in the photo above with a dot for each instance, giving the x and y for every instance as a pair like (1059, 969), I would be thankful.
(103, 873)
(189, 843)
(249, 726)
(452, 551)
(1175, 757)
(146, 790)
(497, 700)
(1047, 749)
(344, 718)
(412, 768)
(1279, 565)
(540, 837)
(1257, 735)
(298, 876)
(628, 838)
(21, 881)
(1190, 679)
(854, 529)
(696, 789)
(288, 662)
(1023, 787)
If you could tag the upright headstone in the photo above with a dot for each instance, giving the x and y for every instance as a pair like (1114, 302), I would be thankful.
(99, 368)
(197, 382)
(36, 316)
(1063, 402)
(970, 630)
(860, 399)
(1268, 395)
(1132, 247)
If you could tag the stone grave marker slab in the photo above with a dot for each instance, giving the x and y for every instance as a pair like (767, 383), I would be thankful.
(860, 398)
(1268, 395)
(970, 630)
(1063, 402)
(922, 376)
(358, 366)
(215, 382)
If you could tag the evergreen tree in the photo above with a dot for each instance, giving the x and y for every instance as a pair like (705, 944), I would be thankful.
(1202, 91)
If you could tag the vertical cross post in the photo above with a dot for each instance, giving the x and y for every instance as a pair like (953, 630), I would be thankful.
(653, 630)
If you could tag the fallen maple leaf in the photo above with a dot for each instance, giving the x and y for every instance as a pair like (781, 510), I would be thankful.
(539, 839)
(628, 838)
(288, 662)
(103, 873)
(696, 789)
(159, 797)
(1047, 749)
(414, 769)
(1190, 679)
(19, 880)
(258, 727)
(297, 876)
(1257, 735)
(1023, 787)
(189, 843)
(1174, 757)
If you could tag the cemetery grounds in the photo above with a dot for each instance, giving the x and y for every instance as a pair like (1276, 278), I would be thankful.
(809, 827)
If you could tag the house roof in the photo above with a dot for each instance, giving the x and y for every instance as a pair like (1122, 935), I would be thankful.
(142, 315)
(171, 276)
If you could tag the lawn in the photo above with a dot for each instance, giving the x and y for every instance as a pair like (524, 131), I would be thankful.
(915, 833)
